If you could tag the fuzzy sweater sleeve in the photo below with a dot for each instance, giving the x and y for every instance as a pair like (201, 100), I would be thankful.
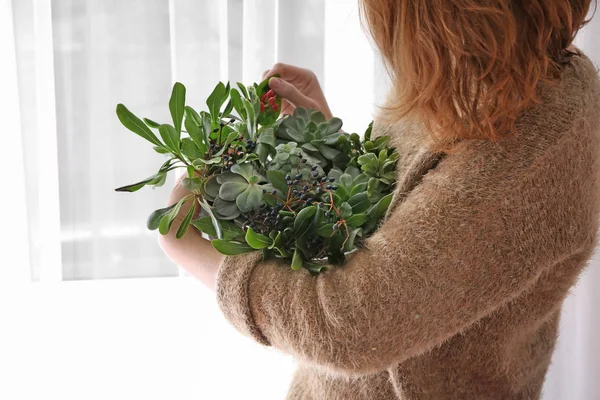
(474, 234)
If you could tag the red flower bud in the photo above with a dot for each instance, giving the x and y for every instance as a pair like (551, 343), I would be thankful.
(274, 107)
(262, 107)
(272, 101)
(263, 98)
(270, 93)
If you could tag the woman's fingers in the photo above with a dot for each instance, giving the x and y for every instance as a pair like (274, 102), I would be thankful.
(290, 93)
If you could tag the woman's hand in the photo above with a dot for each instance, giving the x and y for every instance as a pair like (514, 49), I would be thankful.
(299, 87)
(192, 252)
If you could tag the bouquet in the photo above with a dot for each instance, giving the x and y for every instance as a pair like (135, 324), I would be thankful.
(295, 187)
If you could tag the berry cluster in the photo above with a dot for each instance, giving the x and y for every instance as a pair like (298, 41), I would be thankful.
(233, 152)
(265, 220)
(268, 100)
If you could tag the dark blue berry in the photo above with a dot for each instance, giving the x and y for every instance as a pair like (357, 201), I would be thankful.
(314, 168)
(324, 179)
(328, 187)
(287, 177)
(334, 187)
(331, 179)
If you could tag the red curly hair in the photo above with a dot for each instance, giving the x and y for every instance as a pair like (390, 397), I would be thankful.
(467, 68)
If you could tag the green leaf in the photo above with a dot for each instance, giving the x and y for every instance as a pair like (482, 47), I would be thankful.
(256, 240)
(236, 99)
(325, 230)
(193, 125)
(225, 209)
(161, 150)
(214, 219)
(157, 178)
(230, 230)
(358, 188)
(151, 123)
(177, 105)
(186, 222)
(230, 248)
(242, 89)
(303, 221)
(251, 118)
(156, 216)
(171, 137)
(229, 191)
(359, 202)
(228, 109)
(167, 220)
(377, 212)
(356, 220)
(190, 150)
(136, 125)
(346, 180)
(297, 260)
(250, 199)
(215, 100)
(205, 225)
(245, 170)
(345, 210)
(277, 179)
(351, 239)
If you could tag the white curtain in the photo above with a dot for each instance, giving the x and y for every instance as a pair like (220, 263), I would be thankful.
(68, 63)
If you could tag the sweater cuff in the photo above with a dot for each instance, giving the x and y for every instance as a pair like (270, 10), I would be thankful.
(233, 282)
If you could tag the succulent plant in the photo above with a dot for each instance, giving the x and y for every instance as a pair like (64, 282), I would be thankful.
(315, 135)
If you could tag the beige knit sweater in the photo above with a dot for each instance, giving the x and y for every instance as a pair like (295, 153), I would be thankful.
(458, 294)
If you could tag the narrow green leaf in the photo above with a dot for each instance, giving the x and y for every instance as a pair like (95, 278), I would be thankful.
(171, 137)
(161, 150)
(243, 89)
(214, 219)
(256, 240)
(136, 125)
(137, 186)
(297, 260)
(177, 105)
(151, 124)
(186, 222)
(230, 248)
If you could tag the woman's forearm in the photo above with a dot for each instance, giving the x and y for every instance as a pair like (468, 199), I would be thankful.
(192, 252)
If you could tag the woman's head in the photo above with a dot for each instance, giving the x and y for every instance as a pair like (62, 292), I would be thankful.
(468, 67)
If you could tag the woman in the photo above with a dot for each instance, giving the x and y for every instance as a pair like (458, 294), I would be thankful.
(458, 295)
